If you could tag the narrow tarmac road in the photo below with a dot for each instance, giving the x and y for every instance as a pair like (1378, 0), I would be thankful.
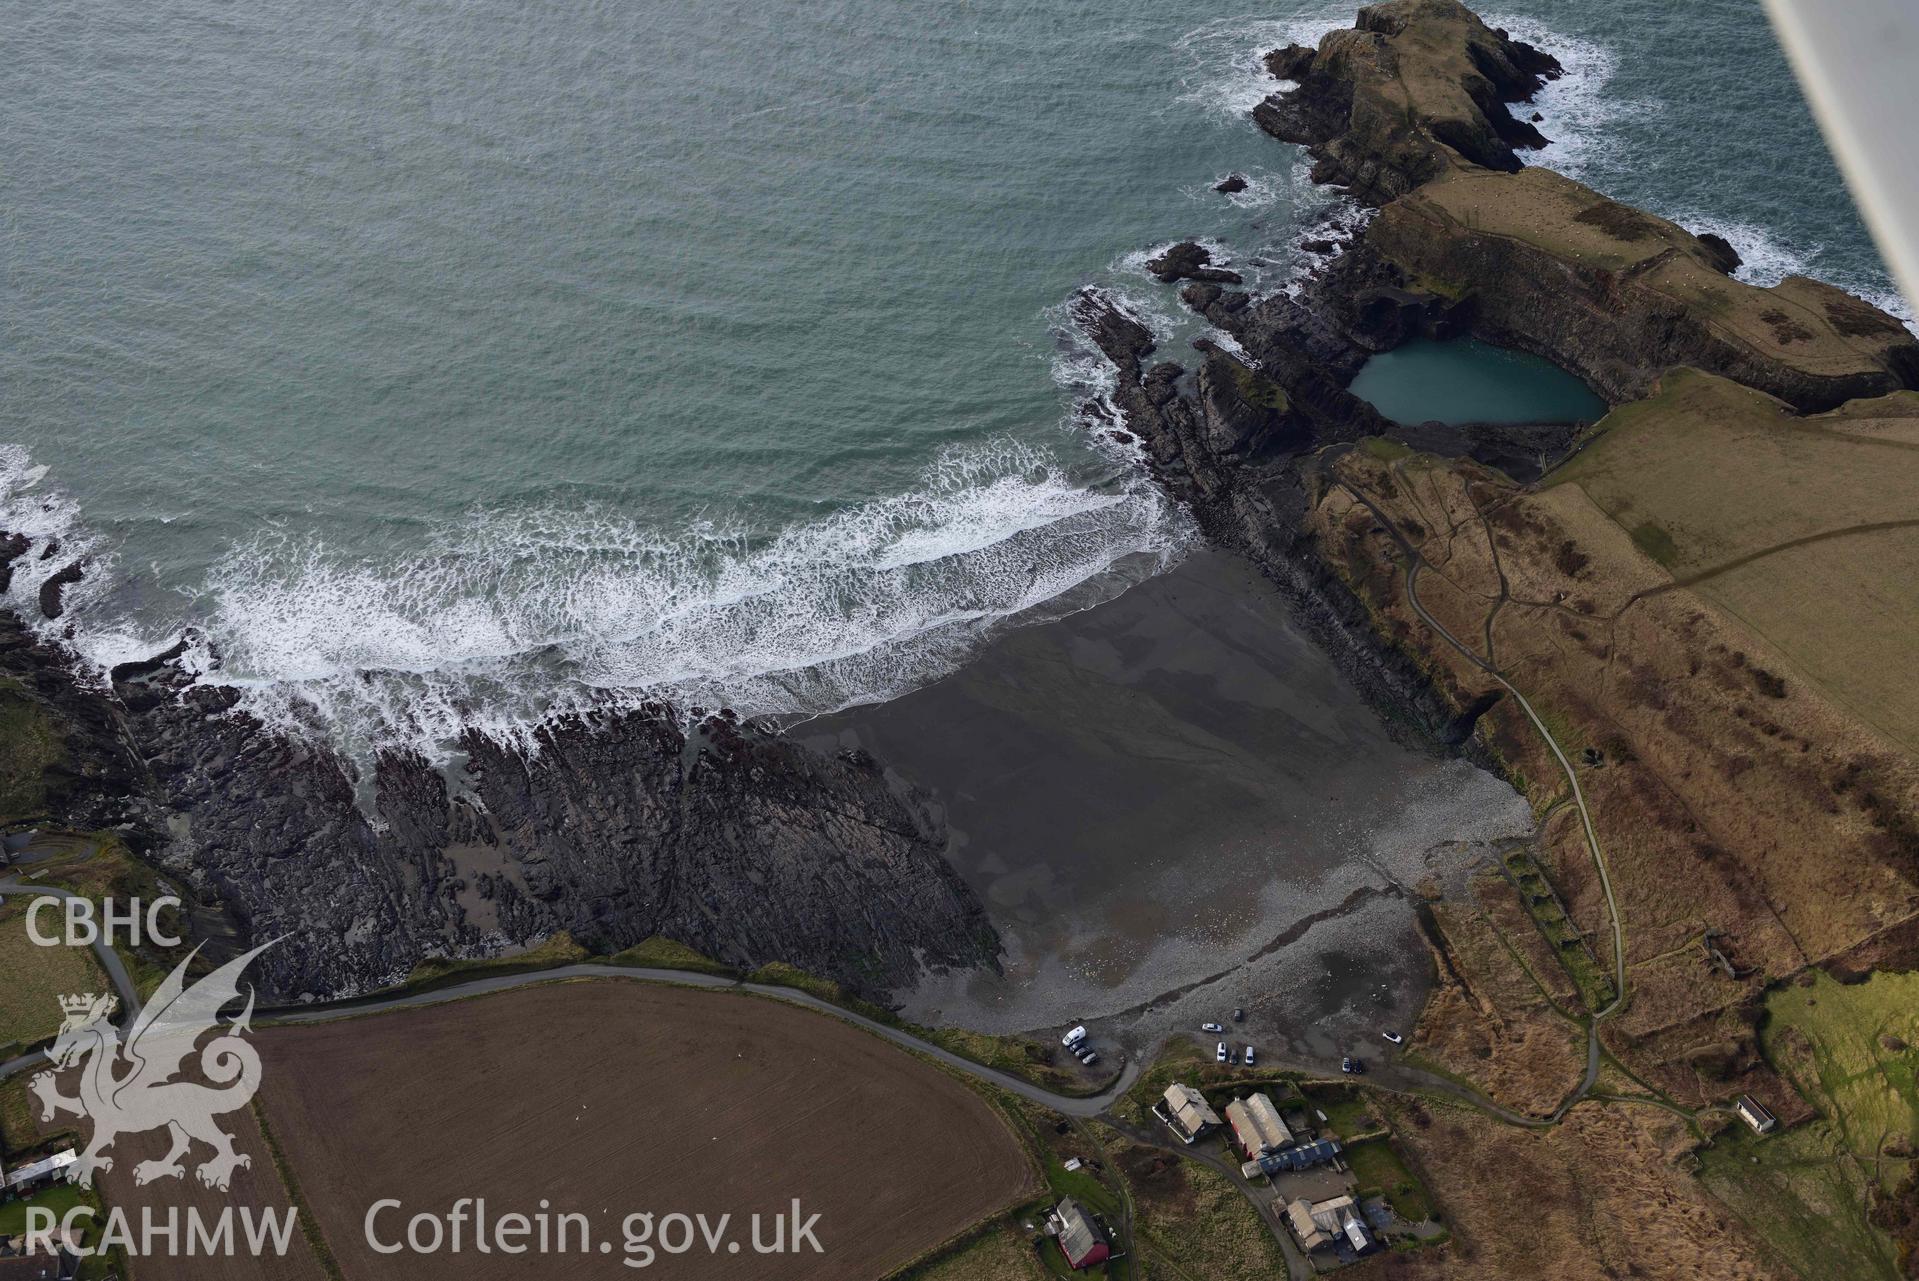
(1068, 1105)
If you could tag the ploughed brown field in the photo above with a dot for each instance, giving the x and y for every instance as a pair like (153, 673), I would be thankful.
(256, 1188)
(608, 1098)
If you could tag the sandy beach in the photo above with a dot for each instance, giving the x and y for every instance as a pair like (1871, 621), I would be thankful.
(1172, 805)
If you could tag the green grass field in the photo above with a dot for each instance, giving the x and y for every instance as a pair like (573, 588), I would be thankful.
(1806, 1192)
(1209, 1231)
(1378, 1169)
(1348, 1111)
(59, 1198)
(1803, 1195)
(1852, 1044)
(660, 953)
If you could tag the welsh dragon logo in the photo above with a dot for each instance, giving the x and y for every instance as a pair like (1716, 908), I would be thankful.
(131, 1088)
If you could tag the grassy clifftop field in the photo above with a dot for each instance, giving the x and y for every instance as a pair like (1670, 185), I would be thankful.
(1801, 527)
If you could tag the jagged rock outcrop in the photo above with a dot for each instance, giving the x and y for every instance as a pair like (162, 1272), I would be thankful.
(65, 749)
(12, 547)
(1189, 261)
(1407, 110)
(1228, 443)
(727, 837)
(1416, 88)
(53, 589)
(1709, 767)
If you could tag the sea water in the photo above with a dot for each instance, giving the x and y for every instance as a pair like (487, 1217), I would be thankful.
(442, 364)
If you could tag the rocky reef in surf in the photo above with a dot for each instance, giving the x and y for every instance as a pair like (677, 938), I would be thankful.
(723, 835)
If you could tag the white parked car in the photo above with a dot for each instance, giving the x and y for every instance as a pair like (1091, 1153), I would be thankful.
(1073, 1037)
(1249, 1056)
(1220, 1054)
(1394, 1037)
(1089, 1058)
(1211, 1027)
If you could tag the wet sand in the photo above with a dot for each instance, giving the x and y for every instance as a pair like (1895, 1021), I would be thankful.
(1173, 804)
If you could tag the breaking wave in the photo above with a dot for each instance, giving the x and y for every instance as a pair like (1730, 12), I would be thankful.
(1767, 259)
(1580, 111)
(1225, 75)
(510, 616)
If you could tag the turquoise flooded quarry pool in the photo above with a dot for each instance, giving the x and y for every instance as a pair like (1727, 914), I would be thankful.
(1467, 381)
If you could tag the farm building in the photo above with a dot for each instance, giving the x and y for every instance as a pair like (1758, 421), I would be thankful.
(1327, 1224)
(26, 1176)
(1302, 1157)
(1257, 1127)
(1187, 1111)
(61, 1264)
(1080, 1239)
(1755, 1114)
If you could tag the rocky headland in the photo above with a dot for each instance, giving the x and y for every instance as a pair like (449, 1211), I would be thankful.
(1689, 590)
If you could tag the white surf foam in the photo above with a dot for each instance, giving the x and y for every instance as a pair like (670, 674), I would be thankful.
(32, 506)
(1225, 74)
(1767, 259)
(510, 616)
(1581, 110)
(1263, 187)
(1583, 113)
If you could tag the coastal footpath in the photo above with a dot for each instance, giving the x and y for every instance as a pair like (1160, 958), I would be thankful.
(1683, 622)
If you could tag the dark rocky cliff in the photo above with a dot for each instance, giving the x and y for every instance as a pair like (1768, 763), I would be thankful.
(724, 836)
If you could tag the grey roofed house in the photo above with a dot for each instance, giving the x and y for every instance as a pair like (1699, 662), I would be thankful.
(1324, 1223)
(1314, 1225)
(1257, 1125)
(1079, 1239)
(1188, 1111)
(1299, 1213)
